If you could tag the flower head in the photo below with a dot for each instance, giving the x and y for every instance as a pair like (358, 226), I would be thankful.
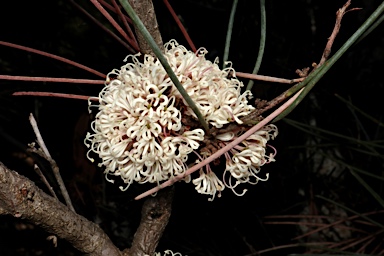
(140, 132)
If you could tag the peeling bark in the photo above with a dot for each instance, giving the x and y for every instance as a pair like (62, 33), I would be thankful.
(21, 198)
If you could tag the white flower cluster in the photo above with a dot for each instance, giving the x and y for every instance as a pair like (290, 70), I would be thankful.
(139, 132)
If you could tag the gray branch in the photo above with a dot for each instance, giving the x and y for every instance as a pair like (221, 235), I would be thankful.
(21, 198)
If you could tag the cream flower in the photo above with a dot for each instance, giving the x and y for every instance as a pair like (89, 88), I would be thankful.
(209, 184)
(140, 132)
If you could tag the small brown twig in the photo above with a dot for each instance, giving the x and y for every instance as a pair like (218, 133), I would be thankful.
(45, 181)
(339, 16)
(304, 72)
(46, 155)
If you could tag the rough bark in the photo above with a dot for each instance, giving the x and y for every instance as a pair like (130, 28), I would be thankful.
(154, 218)
(144, 9)
(21, 198)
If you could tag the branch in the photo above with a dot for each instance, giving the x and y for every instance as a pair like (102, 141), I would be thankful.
(157, 210)
(154, 218)
(21, 198)
(146, 13)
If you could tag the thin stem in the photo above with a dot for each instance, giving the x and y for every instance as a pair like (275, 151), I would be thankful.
(98, 23)
(45, 181)
(349, 104)
(229, 32)
(125, 22)
(125, 17)
(368, 188)
(180, 25)
(54, 166)
(51, 79)
(371, 28)
(139, 24)
(114, 23)
(52, 94)
(269, 78)
(263, 32)
(362, 215)
(311, 81)
(52, 56)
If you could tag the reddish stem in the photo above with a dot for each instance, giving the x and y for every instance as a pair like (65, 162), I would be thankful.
(98, 23)
(58, 95)
(114, 23)
(52, 56)
(180, 25)
(51, 79)
(125, 22)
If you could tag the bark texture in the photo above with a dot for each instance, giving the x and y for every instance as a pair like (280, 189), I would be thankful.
(144, 9)
(154, 218)
(21, 198)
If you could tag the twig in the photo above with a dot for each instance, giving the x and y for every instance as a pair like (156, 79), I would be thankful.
(52, 56)
(51, 79)
(49, 158)
(318, 71)
(339, 16)
(222, 150)
(45, 181)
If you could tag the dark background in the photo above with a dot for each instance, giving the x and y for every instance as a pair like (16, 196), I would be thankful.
(297, 32)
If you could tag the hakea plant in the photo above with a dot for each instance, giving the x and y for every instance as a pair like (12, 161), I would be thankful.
(145, 131)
